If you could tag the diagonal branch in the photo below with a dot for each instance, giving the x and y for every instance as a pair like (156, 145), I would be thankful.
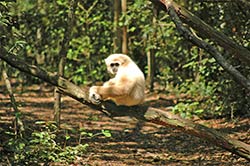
(142, 113)
(187, 34)
(206, 31)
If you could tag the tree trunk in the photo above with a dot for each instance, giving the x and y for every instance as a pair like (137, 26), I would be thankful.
(124, 30)
(143, 112)
(18, 124)
(62, 55)
(151, 57)
(151, 69)
(117, 30)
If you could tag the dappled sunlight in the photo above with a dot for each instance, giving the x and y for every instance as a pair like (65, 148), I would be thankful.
(132, 142)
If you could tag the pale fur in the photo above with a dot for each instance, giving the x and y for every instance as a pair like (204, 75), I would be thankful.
(126, 88)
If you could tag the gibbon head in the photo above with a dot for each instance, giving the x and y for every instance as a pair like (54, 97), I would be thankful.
(115, 61)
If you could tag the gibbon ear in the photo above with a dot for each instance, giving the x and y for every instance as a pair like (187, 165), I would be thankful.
(106, 61)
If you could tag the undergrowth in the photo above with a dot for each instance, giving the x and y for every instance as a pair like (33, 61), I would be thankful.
(45, 146)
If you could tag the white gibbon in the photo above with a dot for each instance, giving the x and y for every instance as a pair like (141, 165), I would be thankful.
(125, 88)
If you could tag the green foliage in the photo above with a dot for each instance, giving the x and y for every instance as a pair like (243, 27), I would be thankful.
(43, 148)
(185, 69)
(91, 43)
(105, 133)
(33, 30)
(188, 109)
(46, 145)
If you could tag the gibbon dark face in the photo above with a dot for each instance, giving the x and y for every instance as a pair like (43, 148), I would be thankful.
(114, 66)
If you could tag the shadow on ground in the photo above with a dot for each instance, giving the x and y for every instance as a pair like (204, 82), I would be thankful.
(132, 142)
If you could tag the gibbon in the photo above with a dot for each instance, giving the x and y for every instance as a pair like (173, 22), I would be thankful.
(127, 85)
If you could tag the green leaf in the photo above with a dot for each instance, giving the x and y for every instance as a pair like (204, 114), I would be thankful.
(67, 137)
(106, 133)
(199, 111)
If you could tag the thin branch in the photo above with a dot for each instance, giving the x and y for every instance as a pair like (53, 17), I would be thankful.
(206, 30)
(187, 34)
(27, 68)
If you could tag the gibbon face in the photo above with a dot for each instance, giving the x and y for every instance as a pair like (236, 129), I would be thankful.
(114, 61)
(113, 67)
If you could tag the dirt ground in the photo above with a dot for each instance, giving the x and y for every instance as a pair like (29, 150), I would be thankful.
(132, 142)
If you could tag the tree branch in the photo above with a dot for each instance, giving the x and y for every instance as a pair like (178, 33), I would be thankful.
(143, 112)
(205, 30)
(187, 34)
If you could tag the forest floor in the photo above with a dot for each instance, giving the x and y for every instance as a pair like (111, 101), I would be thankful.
(132, 142)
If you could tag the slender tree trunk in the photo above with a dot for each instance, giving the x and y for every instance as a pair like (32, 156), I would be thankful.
(151, 57)
(151, 69)
(124, 30)
(117, 30)
(18, 124)
(62, 55)
(40, 59)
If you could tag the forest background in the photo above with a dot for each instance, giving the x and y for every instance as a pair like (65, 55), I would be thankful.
(36, 31)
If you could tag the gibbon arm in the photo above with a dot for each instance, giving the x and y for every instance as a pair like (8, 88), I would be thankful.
(112, 91)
